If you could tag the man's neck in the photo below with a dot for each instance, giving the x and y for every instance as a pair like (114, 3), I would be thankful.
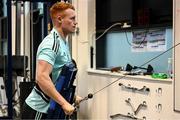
(61, 33)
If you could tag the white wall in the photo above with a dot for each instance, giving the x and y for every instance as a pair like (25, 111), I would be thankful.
(176, 52)
(110, 101)
(97, 107)
(80, 50)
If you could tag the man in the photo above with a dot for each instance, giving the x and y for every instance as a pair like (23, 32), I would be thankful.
(52, 54)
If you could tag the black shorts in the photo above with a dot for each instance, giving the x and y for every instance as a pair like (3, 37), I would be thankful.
(29, 113)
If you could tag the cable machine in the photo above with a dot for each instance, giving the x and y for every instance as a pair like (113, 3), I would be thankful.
(9, 59)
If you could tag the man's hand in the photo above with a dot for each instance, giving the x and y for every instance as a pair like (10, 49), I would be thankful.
(68, 108)
(78, 99)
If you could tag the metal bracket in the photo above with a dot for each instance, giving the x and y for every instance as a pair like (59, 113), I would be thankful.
(135, 111)
(143, 89)
(128, 116)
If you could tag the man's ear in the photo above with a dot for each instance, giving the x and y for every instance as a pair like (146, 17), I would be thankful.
(60, 19)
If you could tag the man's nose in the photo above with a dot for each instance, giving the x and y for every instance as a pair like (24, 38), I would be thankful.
(75, 23)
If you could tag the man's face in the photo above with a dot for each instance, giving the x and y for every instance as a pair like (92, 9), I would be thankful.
(69, 21)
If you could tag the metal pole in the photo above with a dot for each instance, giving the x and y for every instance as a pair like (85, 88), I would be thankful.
(9, 62)
(31, 44)
(18, 28)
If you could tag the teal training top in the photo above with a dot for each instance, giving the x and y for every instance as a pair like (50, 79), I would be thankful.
(55, 51)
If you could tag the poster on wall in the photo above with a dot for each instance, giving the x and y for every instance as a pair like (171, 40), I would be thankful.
(149, 40)
(139, 41)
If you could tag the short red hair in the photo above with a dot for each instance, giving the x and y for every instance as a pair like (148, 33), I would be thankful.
(59, 7)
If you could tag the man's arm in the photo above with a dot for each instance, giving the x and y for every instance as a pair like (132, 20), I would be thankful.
(44, 81)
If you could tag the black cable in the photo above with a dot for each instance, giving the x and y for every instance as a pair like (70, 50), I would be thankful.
(141, 42)
(109, 85)
(140, 66)
(130, 44)
(159, 54)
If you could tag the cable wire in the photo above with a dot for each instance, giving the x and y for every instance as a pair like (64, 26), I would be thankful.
(130, 44)
(140, 66)
(141, 42)
(105, 31)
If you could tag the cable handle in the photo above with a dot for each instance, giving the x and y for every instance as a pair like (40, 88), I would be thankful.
(90, 95)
